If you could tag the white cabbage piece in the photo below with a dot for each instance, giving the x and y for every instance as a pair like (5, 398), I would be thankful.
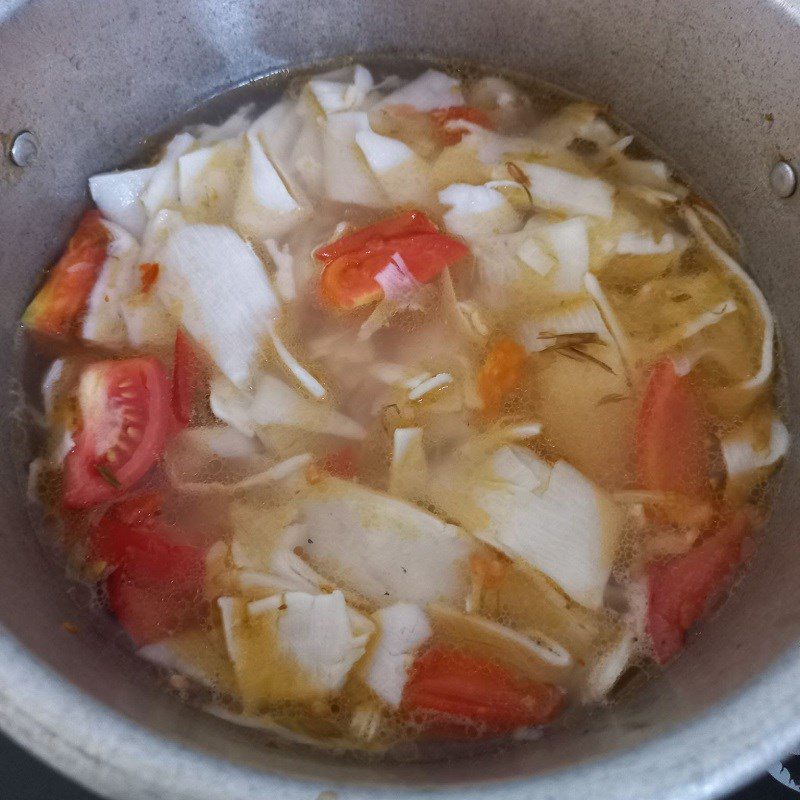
(162, 188)
(231, 128)
(766, 365)
(50, 384)
(569, 241)
(402, 174)
(580, 316)
(291, 134)
(224, 441)
(118, 196)
(575, 121)
(409, 467)
(552, 518)
(595, 290)
(433, 89)
(306, 159)
(341, 91)
(198, 654)
(263, 551)
(320, 633)
(294, 646)
(347, 176)
(304, 377)
(264, 207)
(531, 253)
(743, 458)
(217, 286)
(608, 667)
(383, 548)
(273, 403)
(643, 243)
(207, 177)
(558, 190)
(428, 384)
(284, 269)
(530, 653)
(477, 211)
(118, 280)
(402, 629)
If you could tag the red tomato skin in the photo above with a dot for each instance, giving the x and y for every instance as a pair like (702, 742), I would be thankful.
(84, 482)
(441, 116)
(184, 379)
(453, 694)
(374, 236)
(58, 305)
(156, 587)
(671, 436)
(352, 262)
(679, 589)
(426, 256)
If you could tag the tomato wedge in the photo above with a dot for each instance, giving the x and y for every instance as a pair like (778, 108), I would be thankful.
(58, 305)
(456, 694)
(679, 589)
(500, 375)
(125, 416)
(453, 135)
(373, 236)
(348, 278)
(185, 374)
(156, 588)
(672, 452)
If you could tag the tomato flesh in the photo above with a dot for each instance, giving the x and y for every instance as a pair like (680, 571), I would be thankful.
(59, 304)
(500, 375)
(352, 262)
(453, 135)
(453, 693)
(671, 436)
(679, 589)
(184, 379)
(156, 587)
(342, 463)
(125, 417)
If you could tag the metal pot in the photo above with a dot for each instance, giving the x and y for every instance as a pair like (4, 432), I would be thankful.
(713, 83)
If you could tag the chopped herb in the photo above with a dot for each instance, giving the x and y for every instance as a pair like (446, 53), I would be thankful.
(611, 398)
(571, 339)
(521, 178)
(108, 476)
(576, 354)
(517, 174)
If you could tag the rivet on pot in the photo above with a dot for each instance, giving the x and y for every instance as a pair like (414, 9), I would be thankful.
(783, 179)
(24, 149)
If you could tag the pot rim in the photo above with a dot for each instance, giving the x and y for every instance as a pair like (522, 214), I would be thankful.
(713, 754)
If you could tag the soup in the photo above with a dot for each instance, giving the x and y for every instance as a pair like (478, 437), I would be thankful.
(410, 409)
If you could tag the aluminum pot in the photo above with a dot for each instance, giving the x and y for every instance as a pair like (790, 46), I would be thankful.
(713, 83)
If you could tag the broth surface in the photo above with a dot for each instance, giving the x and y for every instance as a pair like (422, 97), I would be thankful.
(408, 408)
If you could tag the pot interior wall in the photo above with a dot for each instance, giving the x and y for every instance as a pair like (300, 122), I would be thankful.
(713, 85)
